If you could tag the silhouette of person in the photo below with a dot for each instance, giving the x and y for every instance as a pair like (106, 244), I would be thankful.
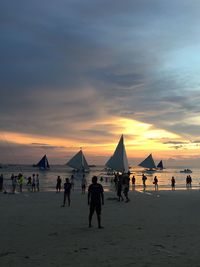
(133, 181)
(58, 184)
(95, 199)
(190, 181)
(83, 184)
(119, 188)
(33, 183)
(126, 181)
(67, 192)
(155, 182)
(144, 178)
(173, 182)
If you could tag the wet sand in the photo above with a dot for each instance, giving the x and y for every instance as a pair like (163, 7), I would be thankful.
(154, 229)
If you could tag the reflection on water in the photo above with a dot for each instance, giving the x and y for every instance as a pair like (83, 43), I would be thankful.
(48, 178)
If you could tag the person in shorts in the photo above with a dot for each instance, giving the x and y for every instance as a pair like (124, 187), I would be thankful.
(95, 200)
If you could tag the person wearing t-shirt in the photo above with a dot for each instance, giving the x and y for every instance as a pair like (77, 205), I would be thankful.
(95, 200)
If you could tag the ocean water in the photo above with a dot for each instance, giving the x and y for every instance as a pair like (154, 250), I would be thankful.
(48, 178)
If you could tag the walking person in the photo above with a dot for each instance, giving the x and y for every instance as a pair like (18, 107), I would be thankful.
(58, 184)
(67, 192)
(95, 200)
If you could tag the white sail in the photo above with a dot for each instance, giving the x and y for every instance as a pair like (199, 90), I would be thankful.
(148, 163)
(119, 161)
(78, 162)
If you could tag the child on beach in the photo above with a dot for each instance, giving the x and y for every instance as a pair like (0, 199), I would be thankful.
(67, 192)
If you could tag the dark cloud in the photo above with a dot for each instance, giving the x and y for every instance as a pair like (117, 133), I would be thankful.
(73, 62)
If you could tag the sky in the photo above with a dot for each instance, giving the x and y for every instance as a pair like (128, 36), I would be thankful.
(80, 73)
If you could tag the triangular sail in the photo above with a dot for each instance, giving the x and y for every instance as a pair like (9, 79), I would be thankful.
(43, 163)
(119, 161)
(160, 165)
(148, 163)
(78, 162)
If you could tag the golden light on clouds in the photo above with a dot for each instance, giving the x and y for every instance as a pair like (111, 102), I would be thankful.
(140, 139)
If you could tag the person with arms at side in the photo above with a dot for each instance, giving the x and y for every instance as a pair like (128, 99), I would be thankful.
(95, 199)
(58, 184)
(173, 182)
(67, 192)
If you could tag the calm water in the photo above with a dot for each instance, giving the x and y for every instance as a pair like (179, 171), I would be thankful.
(48, 178)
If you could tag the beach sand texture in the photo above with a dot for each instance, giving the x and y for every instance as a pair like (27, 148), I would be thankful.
(153, 229)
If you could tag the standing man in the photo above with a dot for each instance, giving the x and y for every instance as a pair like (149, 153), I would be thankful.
(67, 192)
(144, 178)
(95, 199)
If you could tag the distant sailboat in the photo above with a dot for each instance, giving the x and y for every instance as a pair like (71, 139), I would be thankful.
(149, 164)
(119, 162)
(160, 165)
(79, 162)
(43, 164)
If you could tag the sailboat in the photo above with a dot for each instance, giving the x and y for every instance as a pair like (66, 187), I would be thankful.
(78, 162)
(160, 165)
(149, 164)
(43, 164)
(118, 161)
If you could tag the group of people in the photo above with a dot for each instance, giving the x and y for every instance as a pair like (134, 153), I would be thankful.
(19, 180)
(72, 182)
(95, 196)
(122, 182)
(188, 181)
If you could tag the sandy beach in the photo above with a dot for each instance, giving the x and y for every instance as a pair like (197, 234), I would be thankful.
(153, 229)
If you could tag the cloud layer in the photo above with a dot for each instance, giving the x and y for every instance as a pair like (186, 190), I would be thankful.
(69, 64)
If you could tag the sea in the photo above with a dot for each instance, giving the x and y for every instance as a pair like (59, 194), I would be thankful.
(48, 177)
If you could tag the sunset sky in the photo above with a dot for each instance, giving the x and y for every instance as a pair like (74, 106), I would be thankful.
(79, 73)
